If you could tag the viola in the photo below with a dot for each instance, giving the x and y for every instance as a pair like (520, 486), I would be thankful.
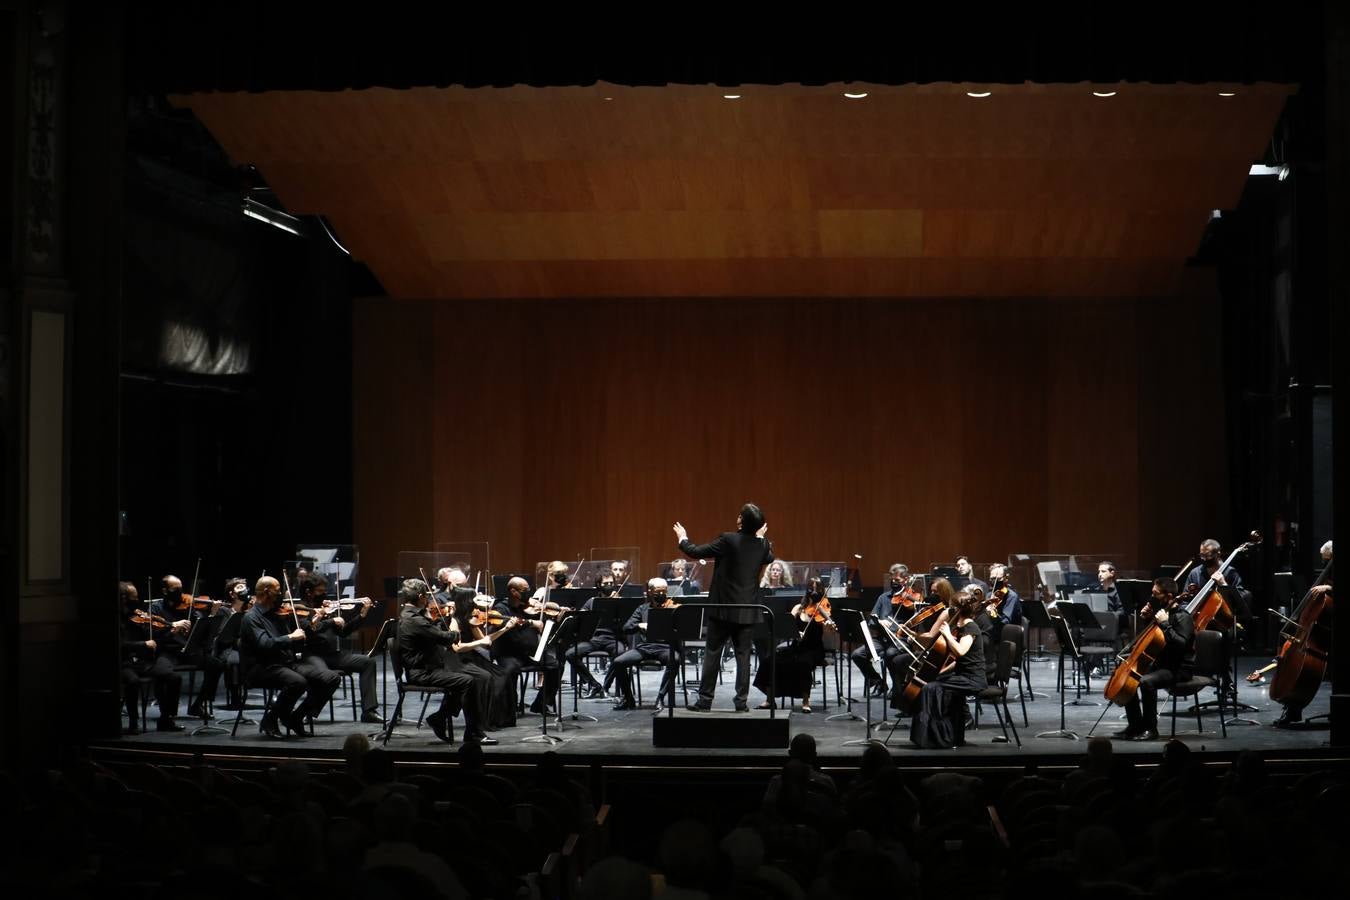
(906, 598)
(480, 617)
(288, 608)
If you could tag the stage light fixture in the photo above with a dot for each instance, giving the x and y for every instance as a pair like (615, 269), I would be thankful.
(855, 96)
(978, 95)
(1103, 93)
(731, 96)
(1227, 93)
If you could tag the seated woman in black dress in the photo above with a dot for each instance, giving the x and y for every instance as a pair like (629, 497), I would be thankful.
(940, 720)
(796, 663)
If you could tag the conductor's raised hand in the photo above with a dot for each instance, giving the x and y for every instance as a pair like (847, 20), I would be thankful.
(680, 533)
(763, 530)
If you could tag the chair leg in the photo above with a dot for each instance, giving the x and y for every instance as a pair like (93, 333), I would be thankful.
(1174, 715)
(1021, 695)
(426, 701)
(1199, 722)
(239, 716)
(398, 708)
(1010, 718)
(1223, 715)
(1002, 722)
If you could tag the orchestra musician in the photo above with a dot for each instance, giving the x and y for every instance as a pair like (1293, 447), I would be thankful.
(431, 656)
(967, 571)
(1292, 709)
(896, 602)
(558, 575)
(178, 609)
(777, 575)
(268, 643)
(1005, 605)
(1172, 665)
(795, 663)
(142, 656)
(496, 689)
(680, 581)
(602, 640)
(1106, 584)
(644, 648)
(939, 721)
(322, 651)
(739, 556)
(516, 650)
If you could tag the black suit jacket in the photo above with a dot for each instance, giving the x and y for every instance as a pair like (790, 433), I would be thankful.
(739, 558)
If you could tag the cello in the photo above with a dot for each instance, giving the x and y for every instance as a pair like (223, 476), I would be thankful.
(1206, 607)
(1302, 663)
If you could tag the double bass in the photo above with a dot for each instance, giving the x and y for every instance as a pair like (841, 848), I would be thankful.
(1206, 607)
(1302, 664)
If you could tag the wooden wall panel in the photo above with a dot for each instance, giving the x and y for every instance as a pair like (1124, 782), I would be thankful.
(905, 429)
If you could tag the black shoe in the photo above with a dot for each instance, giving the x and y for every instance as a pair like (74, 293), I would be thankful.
(168, 725)
(626, 703)
(1127, 734)
(594, 692)
(741, 707)
(268, 726)
(437, 723)
(1287, 721)
(1149, 735)
(699, 707)
(372, 717)
(199, 711)
(295, 723)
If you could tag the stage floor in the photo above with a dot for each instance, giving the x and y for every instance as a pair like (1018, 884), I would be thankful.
(625, 738)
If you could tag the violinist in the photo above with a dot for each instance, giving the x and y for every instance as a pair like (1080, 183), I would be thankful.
(679, 580)
(643, 648)
(224, 648)
(1005, 606)
(1172, 665)
(430, 655)
(896, 602)
(268, 642)
(602, 640)
(143, 655)
(795, 663)
(559, 576)
(496, 690)
(327, 624)
(184, 643)
(940, 719)
(515, 651)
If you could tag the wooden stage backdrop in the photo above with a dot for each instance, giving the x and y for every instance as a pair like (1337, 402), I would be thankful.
(904, 430)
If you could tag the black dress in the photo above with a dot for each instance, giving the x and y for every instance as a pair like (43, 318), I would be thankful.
(941, 718)
(795, 663)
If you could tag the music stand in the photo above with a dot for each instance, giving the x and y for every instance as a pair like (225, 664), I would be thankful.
(575, 630)
(1081, 616)
(664, 627)
(849, 624)
(380, 645)
(1065, 637)
(1037, 616)
(546, 640)
(196, 638)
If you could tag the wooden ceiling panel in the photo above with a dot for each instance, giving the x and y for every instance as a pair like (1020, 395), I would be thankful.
(610, 191)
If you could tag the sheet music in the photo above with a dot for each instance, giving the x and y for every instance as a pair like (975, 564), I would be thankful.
(871, 647)
(543, 641)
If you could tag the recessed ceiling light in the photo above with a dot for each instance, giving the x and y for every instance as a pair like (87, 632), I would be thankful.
(731, 96)
(1227, 93)
(609, 98)
(855, 96)
(1103, 93)
(978, 95)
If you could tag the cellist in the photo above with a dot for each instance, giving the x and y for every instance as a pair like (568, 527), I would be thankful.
(1176, 659)
(1293, 706)
(896, 602)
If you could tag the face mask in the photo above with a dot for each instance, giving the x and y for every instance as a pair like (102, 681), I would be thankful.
(560, 579)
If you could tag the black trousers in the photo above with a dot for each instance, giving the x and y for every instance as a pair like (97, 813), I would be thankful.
(548, 664)
(459, 688)
(212, 668)
(863, 659)
(291, 681)
(609, 646)
(1146, 719)
(624, 662)
(742, 637)
(164, 682)
(359, 665)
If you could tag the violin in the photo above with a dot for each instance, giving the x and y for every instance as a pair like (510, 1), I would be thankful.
(141, 617)
(480, 617)
(670, 604)
(818, 611)
(291, 608)
(906, 598)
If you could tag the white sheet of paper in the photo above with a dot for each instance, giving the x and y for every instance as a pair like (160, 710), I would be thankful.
(543, 640)
(871, 647)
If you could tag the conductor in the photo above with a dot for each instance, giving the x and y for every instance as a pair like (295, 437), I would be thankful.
(739, 556)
